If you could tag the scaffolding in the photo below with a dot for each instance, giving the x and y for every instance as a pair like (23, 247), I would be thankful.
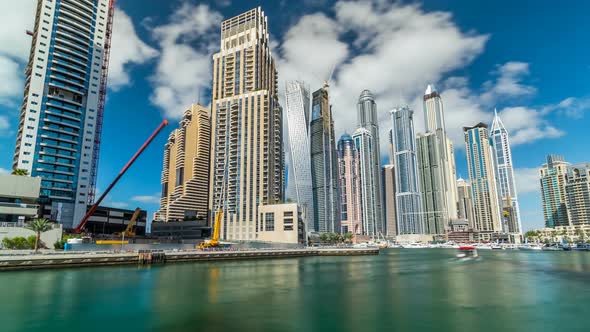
(101, 102)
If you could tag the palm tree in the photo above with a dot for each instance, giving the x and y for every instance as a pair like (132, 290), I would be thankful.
(20, 172)
(39, 226)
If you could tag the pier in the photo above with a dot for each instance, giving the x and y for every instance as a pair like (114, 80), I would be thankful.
(88, 259)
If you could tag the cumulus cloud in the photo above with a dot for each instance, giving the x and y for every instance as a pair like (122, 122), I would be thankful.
(527, 125)
(4, 171)
(395, 52)
(126, 49)
(509, 82)
(187, 43)
(148, 199)
(119, 205)
(527, 180)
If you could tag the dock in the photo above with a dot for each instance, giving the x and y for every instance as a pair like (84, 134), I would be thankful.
(89, 259)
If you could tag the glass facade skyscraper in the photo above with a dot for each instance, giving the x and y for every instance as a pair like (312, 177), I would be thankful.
(553, 194)
(61, 114)
(506, 184)
(363, 140)
(324, 165)
(407, 194)
(298, 103)
(480, 164)
(367, 119)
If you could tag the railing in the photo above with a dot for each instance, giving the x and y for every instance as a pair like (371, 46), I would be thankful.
(12, 224)
(19, 205)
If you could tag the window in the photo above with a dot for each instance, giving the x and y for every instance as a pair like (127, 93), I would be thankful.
(269, 222)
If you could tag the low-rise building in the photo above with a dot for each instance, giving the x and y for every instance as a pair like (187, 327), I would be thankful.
(180, 230)
(108, 220)
(18, 197)
(281, 223)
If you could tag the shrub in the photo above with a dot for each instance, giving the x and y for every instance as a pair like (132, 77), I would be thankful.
(19, 242)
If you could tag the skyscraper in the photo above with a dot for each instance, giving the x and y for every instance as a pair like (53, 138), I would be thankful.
(324, 164)
(407, 194)
(465, 194)
(430, 173)
(247, 161)
(350, 185)
(61, 115)
(483, 181)
(298, 103)
(363, 140)
(389, 200)
(505, 174)
(439, 167)
(577, 189)
(553, 180)
(367, 118)
(185, 173)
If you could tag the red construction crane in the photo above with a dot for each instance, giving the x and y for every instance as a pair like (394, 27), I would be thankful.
(78, 229)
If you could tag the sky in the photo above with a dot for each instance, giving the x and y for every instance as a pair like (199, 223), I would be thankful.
(532, 63)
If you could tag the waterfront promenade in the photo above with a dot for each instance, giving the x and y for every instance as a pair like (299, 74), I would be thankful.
(87, 259)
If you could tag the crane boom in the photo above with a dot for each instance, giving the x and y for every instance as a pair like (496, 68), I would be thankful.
(129, 228)
(84, 220)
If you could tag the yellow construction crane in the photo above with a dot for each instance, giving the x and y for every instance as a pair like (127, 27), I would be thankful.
(214, 242)
(129, 230)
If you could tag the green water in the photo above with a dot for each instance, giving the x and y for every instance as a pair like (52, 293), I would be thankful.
(399, 290)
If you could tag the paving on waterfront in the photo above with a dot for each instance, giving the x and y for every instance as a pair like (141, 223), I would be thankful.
(398, 290)
(87, 259)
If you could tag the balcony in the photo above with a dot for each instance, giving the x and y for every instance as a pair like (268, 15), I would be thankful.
(18, 209)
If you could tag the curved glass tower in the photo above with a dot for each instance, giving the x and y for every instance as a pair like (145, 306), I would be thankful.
(298, 103)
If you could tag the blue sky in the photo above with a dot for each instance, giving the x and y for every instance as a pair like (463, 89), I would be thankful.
(531, 62)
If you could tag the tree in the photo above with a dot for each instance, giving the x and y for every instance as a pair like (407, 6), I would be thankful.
(39, 225)
(20, 172)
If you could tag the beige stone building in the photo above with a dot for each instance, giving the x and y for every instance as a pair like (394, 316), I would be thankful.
(247, 159)
(280, 223)
(185, 173)
(389, 201)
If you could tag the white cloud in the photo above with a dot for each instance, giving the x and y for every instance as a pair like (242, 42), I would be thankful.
(184, 67)
(509, 82)
(4, 171)
(4, 123)
(14, 48)
(526, 125)
(119, 205)
(126, 48)
(396, 51)
(527, 180)
(148, 199)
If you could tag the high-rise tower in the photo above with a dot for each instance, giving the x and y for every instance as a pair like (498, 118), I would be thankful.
(430, 173)
(61, 115)
(367, 119)
(185, 172)
(553, 179)
(350, 185)
(465, 194)
(438, 159)
(505, 174)
(324, 164)
(407, 193)
(483, 180)
(298, 104)
(363, 140)
(389, 201)
(247, 160)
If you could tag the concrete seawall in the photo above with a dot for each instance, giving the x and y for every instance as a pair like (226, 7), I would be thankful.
(31, 262)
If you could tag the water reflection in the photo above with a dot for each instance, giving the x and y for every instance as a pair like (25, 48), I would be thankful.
(399, 290)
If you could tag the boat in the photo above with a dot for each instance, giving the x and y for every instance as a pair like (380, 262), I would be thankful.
(530, 247)
(414, 245)
(582, 247)
(467, 252)
(551, 247)
(496, 247)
